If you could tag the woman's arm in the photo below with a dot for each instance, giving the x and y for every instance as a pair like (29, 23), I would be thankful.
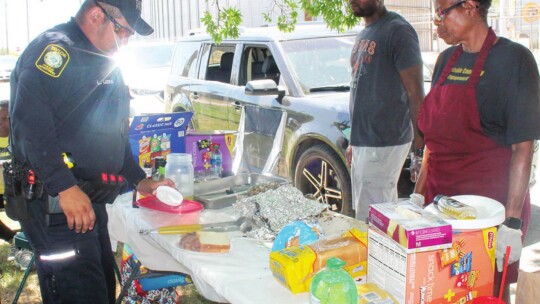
(520, 171)
(420, 186)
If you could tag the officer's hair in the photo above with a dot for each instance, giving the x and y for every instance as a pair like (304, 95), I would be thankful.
(4, 104)
(88, 4)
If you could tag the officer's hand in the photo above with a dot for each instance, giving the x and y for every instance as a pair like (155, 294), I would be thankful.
(348, 155)
(148, 186)
(78, 209)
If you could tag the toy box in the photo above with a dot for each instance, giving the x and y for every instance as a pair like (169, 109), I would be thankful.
(200, 145)
(454, 275)
(411, 226)
(158, 135)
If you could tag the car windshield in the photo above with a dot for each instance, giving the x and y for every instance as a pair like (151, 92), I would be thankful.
(321, 64)
(146, 56)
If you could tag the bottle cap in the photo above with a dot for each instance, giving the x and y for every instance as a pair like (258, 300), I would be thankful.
(335, 263)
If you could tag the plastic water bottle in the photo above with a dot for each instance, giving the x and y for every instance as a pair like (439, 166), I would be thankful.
(333, 285)
(216, 161)
(179, 169)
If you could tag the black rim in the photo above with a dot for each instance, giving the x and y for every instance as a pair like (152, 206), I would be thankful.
(320, 179)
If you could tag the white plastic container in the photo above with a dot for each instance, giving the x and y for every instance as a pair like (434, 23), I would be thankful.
(179, 169)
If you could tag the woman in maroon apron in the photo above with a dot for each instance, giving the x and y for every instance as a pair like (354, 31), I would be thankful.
(460, 158)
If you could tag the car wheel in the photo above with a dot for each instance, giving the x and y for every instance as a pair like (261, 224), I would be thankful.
(322, 173)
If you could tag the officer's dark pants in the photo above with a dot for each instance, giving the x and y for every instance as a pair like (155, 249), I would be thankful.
(72, 267)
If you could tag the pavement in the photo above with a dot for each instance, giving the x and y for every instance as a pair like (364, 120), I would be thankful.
(530, 256)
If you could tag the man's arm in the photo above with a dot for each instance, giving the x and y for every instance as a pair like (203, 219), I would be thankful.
(412, 79)
(35, 139)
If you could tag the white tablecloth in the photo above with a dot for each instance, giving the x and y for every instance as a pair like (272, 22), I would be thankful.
(240, 276)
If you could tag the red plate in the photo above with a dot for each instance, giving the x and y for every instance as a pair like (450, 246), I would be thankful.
(152, 202)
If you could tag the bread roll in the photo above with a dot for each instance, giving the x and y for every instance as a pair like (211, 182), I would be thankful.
(349, 249)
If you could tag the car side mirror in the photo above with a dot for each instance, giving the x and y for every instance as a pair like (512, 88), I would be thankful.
(264, 87)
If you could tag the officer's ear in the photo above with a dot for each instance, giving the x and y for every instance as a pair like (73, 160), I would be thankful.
(96, 15)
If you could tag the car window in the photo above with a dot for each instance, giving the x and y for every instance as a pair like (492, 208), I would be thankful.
(321, 63)
(146, 55)
(258, 63)
(185, 59)
(219, 65)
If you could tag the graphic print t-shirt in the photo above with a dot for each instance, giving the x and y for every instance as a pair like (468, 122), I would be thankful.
(379, 105)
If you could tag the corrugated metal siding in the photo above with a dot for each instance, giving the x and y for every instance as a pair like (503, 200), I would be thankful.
(418, 13)
(172, 19)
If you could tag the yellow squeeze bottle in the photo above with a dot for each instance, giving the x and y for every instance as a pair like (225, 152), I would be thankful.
(454, 208)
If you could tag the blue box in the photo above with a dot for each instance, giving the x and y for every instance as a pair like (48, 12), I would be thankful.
(158, 135)
(148, 279)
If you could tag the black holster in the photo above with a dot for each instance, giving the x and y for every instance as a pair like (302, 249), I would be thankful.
(18, 191)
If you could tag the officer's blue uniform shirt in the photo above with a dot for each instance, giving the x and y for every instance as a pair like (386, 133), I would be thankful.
(67, 96)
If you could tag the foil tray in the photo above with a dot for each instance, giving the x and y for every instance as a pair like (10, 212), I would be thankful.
(223, 192)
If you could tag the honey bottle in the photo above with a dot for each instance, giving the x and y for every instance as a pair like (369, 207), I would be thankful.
(454, 208)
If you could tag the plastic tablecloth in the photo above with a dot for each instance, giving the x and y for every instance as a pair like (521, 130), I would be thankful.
(241, 276)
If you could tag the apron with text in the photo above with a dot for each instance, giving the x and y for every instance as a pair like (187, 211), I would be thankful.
(462, 160)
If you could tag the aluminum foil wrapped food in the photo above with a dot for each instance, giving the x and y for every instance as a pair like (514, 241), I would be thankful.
(270, 211)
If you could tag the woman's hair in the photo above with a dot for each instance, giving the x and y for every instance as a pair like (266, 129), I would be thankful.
(484, 6)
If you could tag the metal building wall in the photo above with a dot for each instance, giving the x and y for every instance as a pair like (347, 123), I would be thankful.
(418, 13)
(172, 19)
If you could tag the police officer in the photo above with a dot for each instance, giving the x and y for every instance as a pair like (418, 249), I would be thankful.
(69, 101)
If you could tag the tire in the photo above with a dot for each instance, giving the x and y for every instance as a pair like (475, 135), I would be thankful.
(322, 173)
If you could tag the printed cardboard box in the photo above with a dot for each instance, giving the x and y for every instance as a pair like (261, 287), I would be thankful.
(200, 145)
(158, 135)
(411, 226)
(453, 275)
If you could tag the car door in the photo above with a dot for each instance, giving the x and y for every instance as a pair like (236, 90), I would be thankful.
(211, 92)
(263, 114)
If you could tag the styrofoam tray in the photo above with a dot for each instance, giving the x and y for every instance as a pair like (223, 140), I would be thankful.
(490, 213)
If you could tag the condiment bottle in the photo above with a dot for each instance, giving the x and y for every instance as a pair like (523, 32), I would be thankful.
(216, 160)
(454, 208)
(333, 285)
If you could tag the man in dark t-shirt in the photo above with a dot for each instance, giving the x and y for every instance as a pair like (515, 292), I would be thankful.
(386, 93)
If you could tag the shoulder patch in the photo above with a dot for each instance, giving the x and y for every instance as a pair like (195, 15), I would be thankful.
(53, 60)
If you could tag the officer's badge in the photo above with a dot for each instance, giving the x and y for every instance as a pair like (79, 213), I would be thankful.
(53, 60)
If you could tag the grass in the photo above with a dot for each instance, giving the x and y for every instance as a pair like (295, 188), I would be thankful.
(11, 277)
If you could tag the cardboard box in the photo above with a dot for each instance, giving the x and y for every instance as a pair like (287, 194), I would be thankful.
(454, 275)
(294, 267)
(158, 135)
(411, 226)
(200, 145)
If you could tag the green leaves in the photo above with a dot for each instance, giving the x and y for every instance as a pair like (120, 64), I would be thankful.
(225, 25)
(225, 22)
(336, 13)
